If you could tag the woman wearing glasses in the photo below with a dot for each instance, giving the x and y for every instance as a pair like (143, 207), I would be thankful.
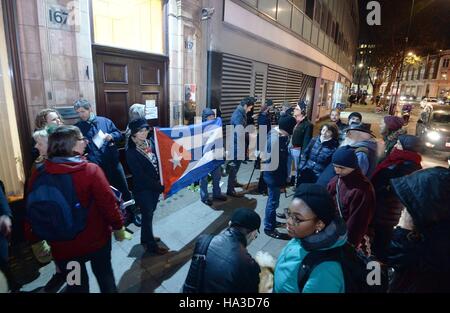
(66, 146)
(313, 225)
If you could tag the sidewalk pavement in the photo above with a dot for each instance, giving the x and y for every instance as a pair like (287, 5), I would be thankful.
(178, 220)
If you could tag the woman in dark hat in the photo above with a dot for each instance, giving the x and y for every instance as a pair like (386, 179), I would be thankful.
(420, 248)
(403, 160)
(143, 164)
(317, 155)
(313, 225)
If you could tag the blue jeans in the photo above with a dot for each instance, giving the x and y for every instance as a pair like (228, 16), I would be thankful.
(232, 177)
(147, 202)
(101, 266)
(216, 174)
(294, 155)
(273, 202)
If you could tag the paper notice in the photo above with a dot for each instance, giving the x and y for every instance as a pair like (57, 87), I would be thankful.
(99, 139)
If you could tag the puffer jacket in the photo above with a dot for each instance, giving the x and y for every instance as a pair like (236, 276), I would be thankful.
(317, 155)
(229, 267)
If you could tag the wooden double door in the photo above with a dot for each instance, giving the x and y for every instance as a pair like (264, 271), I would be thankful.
(123, 78)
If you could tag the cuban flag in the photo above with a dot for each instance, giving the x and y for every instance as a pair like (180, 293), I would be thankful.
(188, 153)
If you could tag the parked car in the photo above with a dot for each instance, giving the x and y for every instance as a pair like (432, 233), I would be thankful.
(430, 101)
(433, 127)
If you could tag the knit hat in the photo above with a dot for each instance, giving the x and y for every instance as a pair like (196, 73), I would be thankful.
(410, 143)
(426, 195)
(248, 101)
(287, 123)
(355, 114)
(246, 218)
(207, 112)
(345, 156)
(269, 102)
(393, 123)
(319, 201)
(137, 125)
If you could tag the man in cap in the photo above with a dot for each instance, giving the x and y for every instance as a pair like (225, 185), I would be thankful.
(353, 193)
(208, 115)
(229, 267)
(239, 117)
(274, 173)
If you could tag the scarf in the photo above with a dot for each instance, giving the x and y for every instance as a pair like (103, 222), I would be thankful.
(397, 157)
(335, 231)
(144, 148)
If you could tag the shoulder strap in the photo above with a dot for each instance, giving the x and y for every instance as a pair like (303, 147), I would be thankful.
(194, 279)
(338, 198)
(313, 259)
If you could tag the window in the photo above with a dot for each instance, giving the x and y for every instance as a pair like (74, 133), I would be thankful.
(299, 4)
(138, 25)
(324, 20)
(284, 13)
(309, 8)
(251, 2)
(317, 12)
(445, 63)
(269, 7)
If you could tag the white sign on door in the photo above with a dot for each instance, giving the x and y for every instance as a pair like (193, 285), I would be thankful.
(151, 111)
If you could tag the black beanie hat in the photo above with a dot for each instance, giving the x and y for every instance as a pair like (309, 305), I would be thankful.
(345, 156)
(246, 218)
(137, 125)
(287, 123)
(319, 201)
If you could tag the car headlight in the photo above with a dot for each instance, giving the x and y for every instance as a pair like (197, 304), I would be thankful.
(433, 135)
(402, 98)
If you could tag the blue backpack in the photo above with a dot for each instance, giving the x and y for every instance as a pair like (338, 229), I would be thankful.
(53, 208)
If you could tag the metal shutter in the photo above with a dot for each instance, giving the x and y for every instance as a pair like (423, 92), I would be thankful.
(283, 85)
(308, 82)
(236, 84)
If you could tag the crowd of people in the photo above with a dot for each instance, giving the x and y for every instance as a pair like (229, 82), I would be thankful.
(384, 206)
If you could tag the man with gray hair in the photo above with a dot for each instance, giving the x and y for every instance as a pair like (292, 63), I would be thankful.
(102, 150)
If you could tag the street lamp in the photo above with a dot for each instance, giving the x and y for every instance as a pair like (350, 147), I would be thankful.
(399, 76)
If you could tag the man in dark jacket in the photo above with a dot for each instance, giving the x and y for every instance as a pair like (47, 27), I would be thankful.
(229, 267)
(239, 118)
(420, 248)
(403, 160)
(274, 173)
(353, 193)
(103, 137)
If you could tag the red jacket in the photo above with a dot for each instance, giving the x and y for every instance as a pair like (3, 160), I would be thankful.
(90, 183)
(357, 198)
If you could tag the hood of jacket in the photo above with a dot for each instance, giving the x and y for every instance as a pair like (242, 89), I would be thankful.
(426, 195)
(62, 165)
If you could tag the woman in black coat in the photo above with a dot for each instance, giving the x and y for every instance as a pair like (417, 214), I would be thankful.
(420, 248)
(143, 164)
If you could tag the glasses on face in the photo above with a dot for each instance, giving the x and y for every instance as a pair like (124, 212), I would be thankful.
(297, 221)
(82, 139)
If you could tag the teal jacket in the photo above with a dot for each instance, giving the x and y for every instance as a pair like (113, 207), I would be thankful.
(327, 277)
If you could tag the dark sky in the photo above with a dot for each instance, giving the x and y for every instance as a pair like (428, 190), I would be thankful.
(430, 17)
